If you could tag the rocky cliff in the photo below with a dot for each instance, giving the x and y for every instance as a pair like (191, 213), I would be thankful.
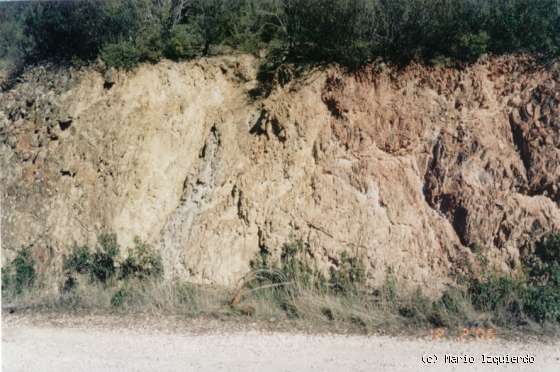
(418, 170)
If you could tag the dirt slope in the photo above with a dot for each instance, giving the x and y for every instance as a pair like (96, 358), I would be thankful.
(418, 170)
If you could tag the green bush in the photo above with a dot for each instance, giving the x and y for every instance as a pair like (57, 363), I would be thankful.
(349, 276)
(548, 249)
(495, 292)
(296, 266)
(65, 29)
(350, 32)
(185, 41)
(542, 297)
(124, 55)
(103, 259)
(296, 269)
(285, 280)
(418, 307)
(542, 303)
(24, 266)
(102, 265)
(472, 46)
(450, 309)
(334, 30)
(388, 292)
(20, 274)
(248, 26)
(79, 261)
(6, 278)
(142, 262)
(537, 295)
(119, 297)
(13, 41)
(293, 269)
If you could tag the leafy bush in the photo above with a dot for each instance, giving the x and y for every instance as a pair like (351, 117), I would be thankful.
(142, 262)
(24, 266)
(418, 307)
(542, 303)
(124, 55)
(542, 297)
(296, 266)
(450, 309)
(472, 46)
(185, 41)
(103, 259)
(293, 271)
(6, 278)
(350, 32)
(495, 292)
(548, 249)
(65, 29)
(536, 296)
(20, 274)
(79, 261)
(388, 292)
(349, 276)
(13, 41)
(335, 30)
(120, 296)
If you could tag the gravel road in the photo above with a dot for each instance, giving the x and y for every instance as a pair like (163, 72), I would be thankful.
(54, 348)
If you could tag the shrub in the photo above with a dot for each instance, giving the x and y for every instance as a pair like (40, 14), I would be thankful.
(119, 297)
(6, 278)
(542, 297)
(350, 32)
(495, 292)
(248, 25)
(542, 303)
(472, 46)
(79, 261)
(537, 295)
(282, 282)
(103, 259)
(185, 41)
(13, 41)
(69, 284)
(296, 267)
(123, 55)
(450, 309)
(293, 266)
(20, 274)
(24, 266)
(142, 262)
(388, 290)
(65, 29)
(548, 249)
(418, 307)
(349, 276)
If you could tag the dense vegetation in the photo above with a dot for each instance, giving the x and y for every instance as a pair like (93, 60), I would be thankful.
(127, 32)
(103, 266)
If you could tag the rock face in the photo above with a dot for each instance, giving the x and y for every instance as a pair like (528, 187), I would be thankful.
(412, 170)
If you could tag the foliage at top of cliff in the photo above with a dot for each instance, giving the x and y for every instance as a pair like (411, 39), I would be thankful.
(350, 32)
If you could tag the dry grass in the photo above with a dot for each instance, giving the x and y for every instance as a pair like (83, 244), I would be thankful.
(286, 308)
(290, 292)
